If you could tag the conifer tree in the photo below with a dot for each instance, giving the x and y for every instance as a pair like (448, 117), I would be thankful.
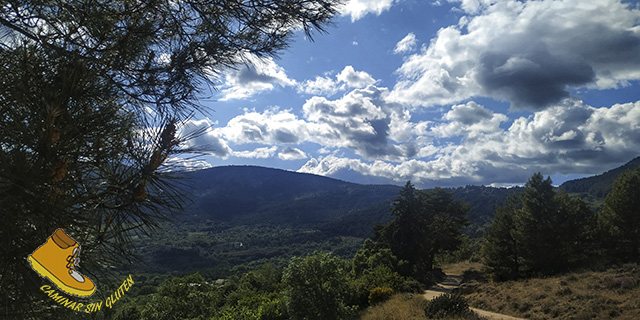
(546, 235)
(92, 97)
(535, 228)
(426, 223)
(573, 224)
(620, 217)
(500, 249)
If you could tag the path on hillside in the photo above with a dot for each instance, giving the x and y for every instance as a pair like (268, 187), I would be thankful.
(452, 281)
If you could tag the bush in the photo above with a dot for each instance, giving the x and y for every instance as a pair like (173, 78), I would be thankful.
(447, 305)
(378, 294)
(379, 277)
(411, 285)
(316, 287)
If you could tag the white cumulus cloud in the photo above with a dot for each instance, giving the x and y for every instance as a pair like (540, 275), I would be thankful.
(255, 76)
(323, 86)
(529, 53)
(570, 137)
(407, 44)
(257, 153)
(347, 78)
(355, 79)
(291, 153)
(359, 8)
(182, 164)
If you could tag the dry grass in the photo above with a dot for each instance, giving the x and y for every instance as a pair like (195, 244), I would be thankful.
(462, 267)
(402, 306)
(611, 294)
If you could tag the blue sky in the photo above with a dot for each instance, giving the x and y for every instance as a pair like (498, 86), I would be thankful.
(442, 93)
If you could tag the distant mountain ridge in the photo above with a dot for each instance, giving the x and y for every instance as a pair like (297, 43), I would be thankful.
(246, 216)
(597, 187)
(257, 195)
(249, 194)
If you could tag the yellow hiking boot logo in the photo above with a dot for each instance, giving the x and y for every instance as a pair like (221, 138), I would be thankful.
(57, 260)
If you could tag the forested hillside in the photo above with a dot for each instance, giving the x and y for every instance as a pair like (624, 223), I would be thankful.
(243, 216)
(597, 187)
(268, 236)
(257, 195)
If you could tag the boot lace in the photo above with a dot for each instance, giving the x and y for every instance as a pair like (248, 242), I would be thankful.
(73, 260)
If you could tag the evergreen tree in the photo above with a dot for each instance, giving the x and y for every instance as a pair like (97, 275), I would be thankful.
(426, 223)
(535, 228)
(446, 219)
(620, 217)
(500, 249)
(573, 224)
(92, 98)
(546, 234)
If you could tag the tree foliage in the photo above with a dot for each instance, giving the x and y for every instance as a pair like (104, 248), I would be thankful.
(500, 249)
(620, 218)
(317, 287)
(540, 232)
(426, 223)
(535, 226)
(92, 98)
(189, 297)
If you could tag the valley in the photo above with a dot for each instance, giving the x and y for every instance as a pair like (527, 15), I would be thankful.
(240, 217)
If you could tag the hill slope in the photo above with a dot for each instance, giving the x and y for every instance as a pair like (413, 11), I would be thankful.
(246, 216)
(250, 195)
(597, 187)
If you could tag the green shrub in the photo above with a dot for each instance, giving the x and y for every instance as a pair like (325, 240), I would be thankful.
(317, 287)
(378, 294)
(447, 305)
(411, 285)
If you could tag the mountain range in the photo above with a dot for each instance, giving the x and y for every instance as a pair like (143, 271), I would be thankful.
(247, 215)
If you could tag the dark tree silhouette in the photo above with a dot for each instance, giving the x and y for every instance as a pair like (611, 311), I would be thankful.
(620, 217)
(92, 97)
(426, 223)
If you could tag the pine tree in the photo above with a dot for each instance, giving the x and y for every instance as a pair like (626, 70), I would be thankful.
(426, 223)
(620, 217)
(92, 98)
(573, 224)
(446, 218)
(550, 230)
(535, 227)
(500, 249)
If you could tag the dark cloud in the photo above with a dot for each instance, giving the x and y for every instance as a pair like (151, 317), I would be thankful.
(601, 45)
(255, 76)
(529, 53)
(468, 114)
(361, 120)
(249, 74)
(532, 80)
(217, 147)
(285, 136)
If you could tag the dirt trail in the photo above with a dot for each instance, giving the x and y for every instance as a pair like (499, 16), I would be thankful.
(452, 281)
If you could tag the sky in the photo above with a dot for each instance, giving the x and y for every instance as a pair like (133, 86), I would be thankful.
(439, 93)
